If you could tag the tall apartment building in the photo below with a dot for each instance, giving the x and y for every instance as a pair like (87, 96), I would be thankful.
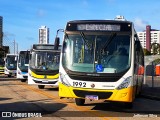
(3, 49)
(148, 37)
(43, 35)
(1, 31)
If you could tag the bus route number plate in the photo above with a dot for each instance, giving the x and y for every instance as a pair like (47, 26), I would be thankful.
(91, 97)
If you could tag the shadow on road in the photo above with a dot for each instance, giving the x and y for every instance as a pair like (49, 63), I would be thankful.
(1, 99)
(51, 89)
(117, 109)
(44, 109)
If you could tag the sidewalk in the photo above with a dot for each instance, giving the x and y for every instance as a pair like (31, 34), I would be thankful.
(150, 91)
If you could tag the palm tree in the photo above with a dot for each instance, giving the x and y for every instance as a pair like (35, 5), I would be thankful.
(155, 48)
(146, 52)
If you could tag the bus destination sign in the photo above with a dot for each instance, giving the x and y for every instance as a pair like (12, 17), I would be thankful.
(98, 27)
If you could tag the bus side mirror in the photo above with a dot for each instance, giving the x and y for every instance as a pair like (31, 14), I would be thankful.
(56, 43)
(30, 55)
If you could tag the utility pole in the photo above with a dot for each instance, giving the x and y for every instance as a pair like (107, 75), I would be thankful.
(17, 48)
(14, 44)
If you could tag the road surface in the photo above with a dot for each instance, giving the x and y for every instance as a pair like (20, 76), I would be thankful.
(20, 100)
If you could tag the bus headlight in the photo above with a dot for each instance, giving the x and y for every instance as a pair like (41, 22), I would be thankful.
(64, 80)
(125, 83)
(19, 72)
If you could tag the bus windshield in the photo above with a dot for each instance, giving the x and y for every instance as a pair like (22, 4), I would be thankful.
(11, 62)
(100, 53)
(1, 62)
(23, 61)
(45, 61)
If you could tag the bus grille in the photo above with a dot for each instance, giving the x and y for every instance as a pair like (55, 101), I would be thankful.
(101, 95)
(43, 82)
(25, 77)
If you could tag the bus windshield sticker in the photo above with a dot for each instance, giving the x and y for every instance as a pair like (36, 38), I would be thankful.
(99, 68)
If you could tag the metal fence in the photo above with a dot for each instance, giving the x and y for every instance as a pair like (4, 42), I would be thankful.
(151, 79)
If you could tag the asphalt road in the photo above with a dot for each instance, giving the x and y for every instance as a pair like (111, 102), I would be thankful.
(20, 101)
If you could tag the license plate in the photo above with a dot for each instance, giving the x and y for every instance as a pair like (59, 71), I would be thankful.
(92, 97)
(45, 81)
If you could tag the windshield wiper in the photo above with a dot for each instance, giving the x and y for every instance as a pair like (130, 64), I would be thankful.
(113, 35)
(85, 40)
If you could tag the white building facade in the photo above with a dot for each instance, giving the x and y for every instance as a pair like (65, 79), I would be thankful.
(154, 34)
(43, 35)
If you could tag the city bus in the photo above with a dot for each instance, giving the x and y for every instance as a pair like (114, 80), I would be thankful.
(1, 65)
(101, 60)
(10, 67)
(44, 65)
(22, 65)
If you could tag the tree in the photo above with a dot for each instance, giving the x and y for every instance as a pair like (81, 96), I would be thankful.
(146, 52)
(155, 47)
(157, 61)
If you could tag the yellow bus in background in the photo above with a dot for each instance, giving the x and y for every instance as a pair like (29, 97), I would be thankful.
(44, 65)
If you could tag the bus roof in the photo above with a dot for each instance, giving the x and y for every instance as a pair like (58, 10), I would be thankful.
(99, 21)
(11, 54)
(24, 51)
(99, 25)
(45, 47)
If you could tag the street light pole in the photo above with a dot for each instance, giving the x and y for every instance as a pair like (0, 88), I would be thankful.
(14, 45)
(17, 48)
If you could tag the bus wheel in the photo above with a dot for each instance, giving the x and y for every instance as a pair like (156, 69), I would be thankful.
(41, 86)
(79, 101)
(128, 105)
(141, 88)
(23, 80)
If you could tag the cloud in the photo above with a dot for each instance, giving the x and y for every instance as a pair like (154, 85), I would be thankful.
(41, 13)
(8, 34)
(30, 38)
(111, 1)
(140, 24)
(85, 3)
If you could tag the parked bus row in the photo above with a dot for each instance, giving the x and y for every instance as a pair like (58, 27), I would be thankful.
(39, 66)
(98, 59)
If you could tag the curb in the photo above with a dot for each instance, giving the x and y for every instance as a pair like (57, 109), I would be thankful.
(151, 97)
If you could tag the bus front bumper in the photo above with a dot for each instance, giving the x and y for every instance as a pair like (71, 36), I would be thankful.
(123, 95)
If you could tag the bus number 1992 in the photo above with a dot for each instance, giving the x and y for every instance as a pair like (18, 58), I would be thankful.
(79, 84)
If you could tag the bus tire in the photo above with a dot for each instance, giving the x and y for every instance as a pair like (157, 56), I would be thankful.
(79, 101)
(23, 80)
(128, 105)
(41, 86)
(140, 90)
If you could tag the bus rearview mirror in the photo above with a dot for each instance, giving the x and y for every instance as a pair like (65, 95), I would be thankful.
(56, 43)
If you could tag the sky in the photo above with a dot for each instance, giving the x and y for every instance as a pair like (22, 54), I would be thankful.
(23, 18)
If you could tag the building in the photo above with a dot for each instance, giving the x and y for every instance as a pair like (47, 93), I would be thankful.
(148, 37)
(1, 31)
(43, 35)
(3, 49)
